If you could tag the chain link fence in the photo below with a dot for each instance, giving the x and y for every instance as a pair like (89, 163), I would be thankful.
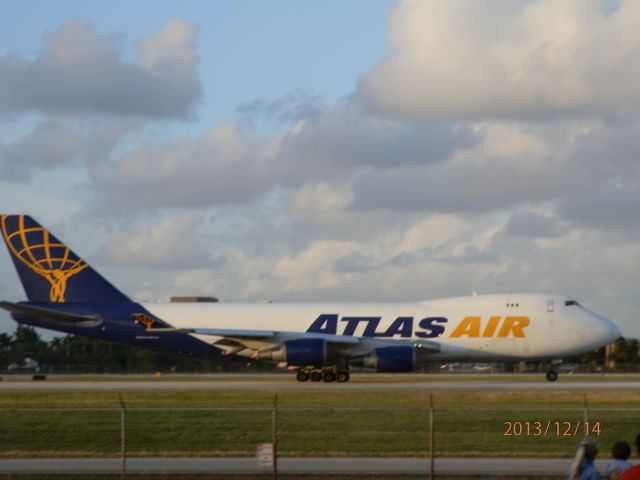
(303, 442)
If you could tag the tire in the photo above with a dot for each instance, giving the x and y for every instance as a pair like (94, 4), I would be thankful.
(342, 376)
(302, 376)
(328, 376)
(315, 375)
(552, 375)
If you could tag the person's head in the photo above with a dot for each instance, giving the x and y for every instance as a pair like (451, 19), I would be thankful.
(621, 450)
(590, 447)
(587, 451)
(638, 442)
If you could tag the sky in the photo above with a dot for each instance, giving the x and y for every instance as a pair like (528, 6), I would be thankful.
(330, 151)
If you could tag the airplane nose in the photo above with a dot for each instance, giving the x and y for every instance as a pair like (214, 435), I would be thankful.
(616, 332)
(605, 329)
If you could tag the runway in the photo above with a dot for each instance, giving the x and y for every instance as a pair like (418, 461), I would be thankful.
(299, 466)
(278, 383)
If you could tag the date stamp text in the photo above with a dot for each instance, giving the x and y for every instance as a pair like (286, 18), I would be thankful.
(551, 428)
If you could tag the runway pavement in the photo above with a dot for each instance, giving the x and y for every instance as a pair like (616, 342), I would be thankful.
(301, 466)
(289, 384)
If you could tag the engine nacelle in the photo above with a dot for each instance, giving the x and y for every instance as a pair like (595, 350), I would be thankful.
(306, 351)
(392, 359)
(388, 360)
(301, 352)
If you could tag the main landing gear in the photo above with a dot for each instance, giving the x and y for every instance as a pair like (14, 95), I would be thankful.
(552, 375)
(326, 374)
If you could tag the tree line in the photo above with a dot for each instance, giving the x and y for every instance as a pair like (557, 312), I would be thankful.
(78, 354)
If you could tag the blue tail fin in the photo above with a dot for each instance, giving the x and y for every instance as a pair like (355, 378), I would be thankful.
(48, 269)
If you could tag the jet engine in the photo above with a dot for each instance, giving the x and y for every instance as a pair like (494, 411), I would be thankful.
(405, 358)
(388, 359)
(299, 352)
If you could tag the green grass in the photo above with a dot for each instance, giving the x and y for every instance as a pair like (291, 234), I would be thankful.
(266, 477)
(319, 399)
(332, 423)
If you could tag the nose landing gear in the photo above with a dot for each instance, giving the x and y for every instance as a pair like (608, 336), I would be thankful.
(326, 374)
(552, 375)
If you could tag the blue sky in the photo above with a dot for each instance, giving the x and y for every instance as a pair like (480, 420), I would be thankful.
(387, 150)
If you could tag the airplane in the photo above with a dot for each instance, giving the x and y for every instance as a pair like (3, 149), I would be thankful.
(319, 341)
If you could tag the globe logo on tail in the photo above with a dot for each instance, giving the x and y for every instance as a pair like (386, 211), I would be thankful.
(44, 255)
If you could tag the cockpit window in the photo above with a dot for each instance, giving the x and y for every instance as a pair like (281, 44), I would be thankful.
(568, 303)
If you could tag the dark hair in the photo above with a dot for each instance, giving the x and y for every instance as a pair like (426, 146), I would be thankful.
(638, 442)
(621, 450)
(590, 447)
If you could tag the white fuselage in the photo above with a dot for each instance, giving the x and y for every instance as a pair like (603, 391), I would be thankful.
(475, 328)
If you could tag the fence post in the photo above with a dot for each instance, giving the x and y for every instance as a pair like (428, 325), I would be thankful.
(585, 416)
(431, 438)
(274, 435)
(123, 437)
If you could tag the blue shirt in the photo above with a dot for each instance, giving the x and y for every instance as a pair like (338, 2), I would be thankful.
(588, 471)
(617, 466)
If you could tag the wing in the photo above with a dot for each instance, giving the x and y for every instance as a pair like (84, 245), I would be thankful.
(264, 345)
(298, 349)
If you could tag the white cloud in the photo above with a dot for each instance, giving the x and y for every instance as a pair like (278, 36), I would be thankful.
(221, 167)
(173, 47)
(314, 267)
(433, 232)
(226, 166)
(171, 242)
(58, 141)
(81, 71)
(321, 203)
(507, 58)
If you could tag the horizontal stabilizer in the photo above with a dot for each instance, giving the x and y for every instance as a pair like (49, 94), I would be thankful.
(40, 315)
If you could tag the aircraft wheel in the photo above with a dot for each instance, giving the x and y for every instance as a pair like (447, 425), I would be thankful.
(552, 375)
(302, 376)
(328, 376)
(342, 376)
(315, 375)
